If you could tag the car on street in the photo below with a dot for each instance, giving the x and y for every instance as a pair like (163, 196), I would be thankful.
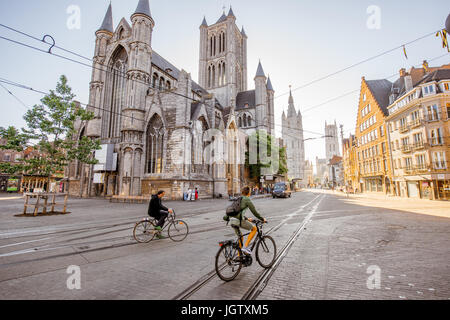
(281, 190)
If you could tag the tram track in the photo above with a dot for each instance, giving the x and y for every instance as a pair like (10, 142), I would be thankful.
(262, 280)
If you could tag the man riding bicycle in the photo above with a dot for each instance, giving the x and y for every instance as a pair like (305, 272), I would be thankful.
(158, 211)
(241, 221)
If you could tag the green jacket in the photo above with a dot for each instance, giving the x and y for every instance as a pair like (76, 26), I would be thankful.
(245, 203)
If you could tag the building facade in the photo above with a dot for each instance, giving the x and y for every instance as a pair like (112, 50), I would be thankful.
(292, 133)
(419, 130)
(159, 120)
(372, 150)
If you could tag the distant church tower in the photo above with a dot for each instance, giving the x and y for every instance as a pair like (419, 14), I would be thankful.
(292, 134)
(331, 141)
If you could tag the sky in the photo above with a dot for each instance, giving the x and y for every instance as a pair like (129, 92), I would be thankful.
(297, 41)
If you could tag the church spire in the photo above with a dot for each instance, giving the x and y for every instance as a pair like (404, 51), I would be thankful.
(143, 7)
(260, 71)
(204, 23)
(269, 84)
(107, 24)
(231, 13)
(291, 99)
(291, 108)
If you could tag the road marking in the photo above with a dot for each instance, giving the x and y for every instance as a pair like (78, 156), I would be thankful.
(19, 243)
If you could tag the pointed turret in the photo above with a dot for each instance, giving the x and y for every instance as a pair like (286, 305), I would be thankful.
(107, 24)
(143, 7)
(231, 13)
(269, 84)
(204, 23)
(243, 32)
(260, 71)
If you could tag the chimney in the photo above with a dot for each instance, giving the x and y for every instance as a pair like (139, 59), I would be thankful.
(408, 82)
(402, 72)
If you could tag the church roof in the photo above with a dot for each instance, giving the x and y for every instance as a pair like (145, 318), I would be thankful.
(108, 21)
(245, 97)
(143, 7)
(164, 65)
(222, 18)
(260, 71)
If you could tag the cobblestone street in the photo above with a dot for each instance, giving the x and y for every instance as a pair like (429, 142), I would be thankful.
(333, 257)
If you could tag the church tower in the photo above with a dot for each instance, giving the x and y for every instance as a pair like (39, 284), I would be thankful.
(138, 75)
(223, 59)
(292, 134)
(331, 141)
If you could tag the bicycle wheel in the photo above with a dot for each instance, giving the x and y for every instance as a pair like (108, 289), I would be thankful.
(266, 251)
(228, 262)
(144, 231)
(178, 230)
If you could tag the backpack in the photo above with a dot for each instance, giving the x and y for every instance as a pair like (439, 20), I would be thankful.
(235, 208)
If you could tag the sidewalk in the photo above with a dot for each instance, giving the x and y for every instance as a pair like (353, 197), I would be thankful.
(420, 206)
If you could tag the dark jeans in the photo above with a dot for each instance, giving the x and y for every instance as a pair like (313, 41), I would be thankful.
(161, 217)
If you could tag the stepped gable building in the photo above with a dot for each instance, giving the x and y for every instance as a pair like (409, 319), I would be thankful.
(154, 115)
(292, 133)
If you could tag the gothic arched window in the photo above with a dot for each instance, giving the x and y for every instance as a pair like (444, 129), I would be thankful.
(209, 76)
(115, 93)
(213, 76)
(245, 120)
(155, 145)
(224, 74)
(249, 121)
(155, 80)
(198, 164)
(161, 83)
(240, 122)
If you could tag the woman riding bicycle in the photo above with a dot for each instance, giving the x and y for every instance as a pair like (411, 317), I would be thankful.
(241, 221)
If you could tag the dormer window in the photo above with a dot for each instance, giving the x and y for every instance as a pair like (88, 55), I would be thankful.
(428, 89)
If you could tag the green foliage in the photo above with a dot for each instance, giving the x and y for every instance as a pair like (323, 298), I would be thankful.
(52, 126)
(256, 169)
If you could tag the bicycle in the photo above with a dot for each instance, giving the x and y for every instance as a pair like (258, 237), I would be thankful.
(230, 256)
(144, 231)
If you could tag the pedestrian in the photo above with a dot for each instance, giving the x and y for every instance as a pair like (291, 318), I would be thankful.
(196, 194)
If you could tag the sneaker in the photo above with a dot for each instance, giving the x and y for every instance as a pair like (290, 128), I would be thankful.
(247, 251)
(158, 228)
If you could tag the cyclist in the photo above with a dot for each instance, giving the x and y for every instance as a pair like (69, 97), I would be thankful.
(241, 221)
(158, 211)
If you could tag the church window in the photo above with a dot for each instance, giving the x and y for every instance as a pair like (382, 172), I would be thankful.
(155, 140)
(245, 120)
(116, 88)
(168, 85)
(213, 76)
(220, 74)
(240, 122)
(198, 145)
(224, 42)
(223, 74)
(155, 80)
(249, 121)
(161, 83)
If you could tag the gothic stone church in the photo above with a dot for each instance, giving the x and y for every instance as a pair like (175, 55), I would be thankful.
(155, 115)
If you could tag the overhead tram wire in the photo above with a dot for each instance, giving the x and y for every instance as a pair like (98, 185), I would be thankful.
(357, 64)
(14, 96)
(118, 72)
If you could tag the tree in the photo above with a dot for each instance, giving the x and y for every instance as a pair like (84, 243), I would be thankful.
(51, 131)
(280, 162)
